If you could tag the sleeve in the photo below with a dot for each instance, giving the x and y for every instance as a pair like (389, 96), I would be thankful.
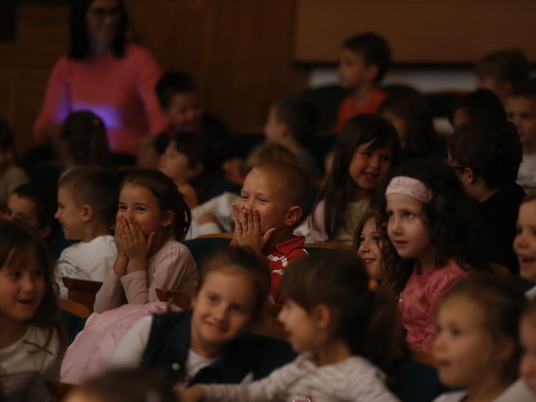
(129, 351)
(56, 103)
(316, 224)
(59, 273)
(110, 295)
(173, 268)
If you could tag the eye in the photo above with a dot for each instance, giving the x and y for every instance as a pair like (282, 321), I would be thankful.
(385, 158)
(238, 309)
(376, 238)
(38, 273)
(510, 116)
(141, 209)
(366, 153)
(15, 274)
(121, 207)
(409, 214)
(244, 197)
(390, 214)
(262, 199)
(361, 239)
(213, 298)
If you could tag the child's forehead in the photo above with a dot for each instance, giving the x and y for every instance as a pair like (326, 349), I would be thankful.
(521, 101)
(184, 98)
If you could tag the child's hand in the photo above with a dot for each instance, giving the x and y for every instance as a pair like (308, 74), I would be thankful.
(192, 394)
(136, 247)
(248, 230)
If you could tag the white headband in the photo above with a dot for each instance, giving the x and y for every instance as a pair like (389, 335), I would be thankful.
(409, 186)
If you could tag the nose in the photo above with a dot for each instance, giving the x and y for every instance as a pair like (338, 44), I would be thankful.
(374, 161)
(27, 283)
(363, 247)
(57, 214)
(393, 225)
(519, 241)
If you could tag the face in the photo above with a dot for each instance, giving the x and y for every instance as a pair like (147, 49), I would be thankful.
(69, 214)
(263, 192)
(527, 365)
(22, 209)
(463, 349)
(185, 112)
(405, 228)
(370, 248)
(522, 112)
(103, 18)
(222, 310)
(460, 117)
(274, 130)
(368, 166)
(175, 164)
(499, 87)
(525, 240)
(138, 203)
(22, 286)
(301, 328)
(353, 72)
(399, 124)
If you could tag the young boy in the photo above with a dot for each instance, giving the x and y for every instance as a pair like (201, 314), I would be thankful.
(363, 63)
(485, 154)
(502, 70)
(292, 123)
(87, 204)
(521, 110)
(272, 201)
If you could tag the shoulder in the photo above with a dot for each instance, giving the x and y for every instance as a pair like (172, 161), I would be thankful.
(451, 396)
(45, 341)
(139, 54)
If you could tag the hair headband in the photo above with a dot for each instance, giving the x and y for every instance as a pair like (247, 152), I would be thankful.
(409, 186)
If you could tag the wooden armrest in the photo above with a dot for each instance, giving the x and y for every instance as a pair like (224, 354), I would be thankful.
(73, 307)
(81, 284)
(180, 298)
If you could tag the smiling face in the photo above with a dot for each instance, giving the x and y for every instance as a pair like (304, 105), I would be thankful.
(300, 326)
(353, 71)
(527, 365)
(222, 310)
(369, 166)
(70, 214)
(525, 240)
(370, 248)
(522, 112)
(175, 164)
(103, 18)
(185, 112)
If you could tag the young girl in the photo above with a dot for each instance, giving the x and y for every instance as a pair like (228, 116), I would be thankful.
(477, 343)
(346, 334)
(366, 149)
(208, 345)
(369, 237)
(31, 342)
(413, 120)
(525, 241)
(433, 242)
(151, 221)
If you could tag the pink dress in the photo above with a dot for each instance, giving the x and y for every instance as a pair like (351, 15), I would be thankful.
(418, 302)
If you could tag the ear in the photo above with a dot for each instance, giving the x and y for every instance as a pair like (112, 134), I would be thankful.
(322, 316)
(505, 348)
(294, 214)
(168, 218)
(88, 213)
(372, 71)
(45, 231)
(469, 175)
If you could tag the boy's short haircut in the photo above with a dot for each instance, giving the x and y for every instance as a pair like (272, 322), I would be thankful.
(44, 199)
(171, 84)
(6, 135)
(506, 65)
(293, 179)
(96, 187)
(374, 49)
(526, 89)
(300, 115)
(269, 152)
(480, 104)
(491, 148)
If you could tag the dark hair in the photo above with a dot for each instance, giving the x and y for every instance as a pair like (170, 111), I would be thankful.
(338, 188)
(507, 65)
(79, 45)
(370, 213)
(45, 201)
(525, 89)
(366, 320)
(480, 104)
(420, 136)
(502, 302)
(239, 260)
(194, 145)
(168, 196)
(300, 115)
(269, 152)
(6, 135)
(17, 242)
(96, 187)
(128, 385)
(85, 135)
(374, 49)
(171, 84)
(491, 148)
(448, 217)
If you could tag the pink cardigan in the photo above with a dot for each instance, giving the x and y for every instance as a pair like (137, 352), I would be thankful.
(119, 90)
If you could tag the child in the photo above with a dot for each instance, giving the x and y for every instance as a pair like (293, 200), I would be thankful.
(365, 150)
(271, 203)
(87, 198)
(31, 341)
(521, 110)
(485, 155)
(527, 367)
(83, 142)
(477, 344)
(502, 70)
(345, 332)
(525, 241)
(412, 118)
(369, 237)
(11, 176)
(185, 160)
(364, 61)
(434, 243)
(209, 344)
(292, 123)
(476, 105)
(151, 220)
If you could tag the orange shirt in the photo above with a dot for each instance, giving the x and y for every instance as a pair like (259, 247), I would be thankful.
(348, 108)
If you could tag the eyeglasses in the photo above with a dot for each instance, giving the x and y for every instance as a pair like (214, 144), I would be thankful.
(101, 12)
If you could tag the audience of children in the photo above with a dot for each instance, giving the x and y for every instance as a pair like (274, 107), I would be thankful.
(476, 105)
(31, 340)
(87, 201)
(152, 219)
(338, 324)
(272, 201)
(412, 118)
(364, 61)
(521, 110)
(433, 242)
(477, 344)
(366, 149)
(525, 241)
(11, 175)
